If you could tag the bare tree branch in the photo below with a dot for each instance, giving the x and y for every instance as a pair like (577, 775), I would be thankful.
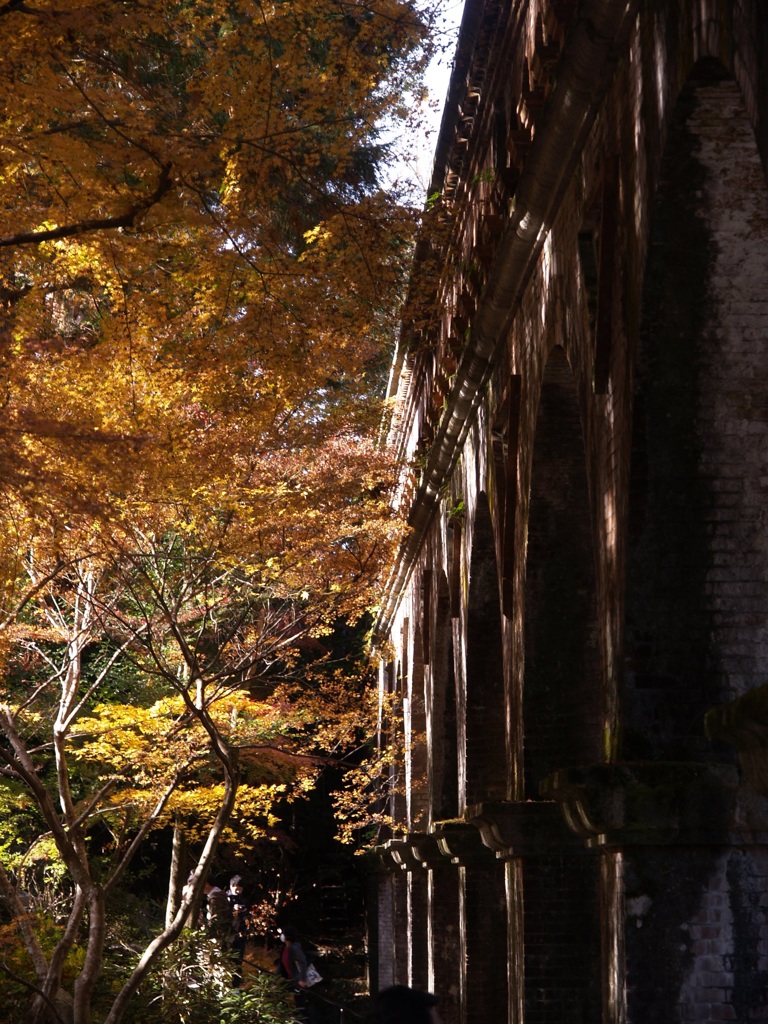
(83, 227)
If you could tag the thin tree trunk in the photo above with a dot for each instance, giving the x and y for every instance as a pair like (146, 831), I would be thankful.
(178, 859)
(94, 956)
(171, 933)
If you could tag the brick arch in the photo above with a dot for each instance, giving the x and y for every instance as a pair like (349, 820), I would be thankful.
(441, 723)
(417, 799)
(561, 689)
(395, 726)
(483, 745)
(561, 706)
(697, 543)
(416, 764)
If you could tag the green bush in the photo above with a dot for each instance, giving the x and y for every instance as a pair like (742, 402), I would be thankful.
(17, 972)
(192, 985)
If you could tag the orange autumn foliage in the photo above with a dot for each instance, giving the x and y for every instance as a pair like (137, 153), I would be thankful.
(199, 278)
(198, 270)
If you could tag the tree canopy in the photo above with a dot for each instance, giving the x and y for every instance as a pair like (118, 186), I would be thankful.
(199, 277)
(197, 267)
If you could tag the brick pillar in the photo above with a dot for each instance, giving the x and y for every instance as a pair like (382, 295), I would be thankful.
(483, 894)
(400, 944)
(444, 938)
(482, 924)
(381, 932)
(613, 923)
(515, 975)
(562, 939)
(418, 899)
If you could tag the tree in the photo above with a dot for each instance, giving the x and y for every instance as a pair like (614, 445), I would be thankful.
(198, 277)
(197, 266)
(151, 688)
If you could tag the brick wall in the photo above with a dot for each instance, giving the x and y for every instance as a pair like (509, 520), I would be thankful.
(606, 581)
(561, 940)
(698, 565)
(562, 688)
(697, 946)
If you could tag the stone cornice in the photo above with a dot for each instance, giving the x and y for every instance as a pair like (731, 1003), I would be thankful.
(523, 828)
(647, 803)
(460, 841)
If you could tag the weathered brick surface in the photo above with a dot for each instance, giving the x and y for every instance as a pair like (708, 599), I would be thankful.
(445, 974)
(418, 929)
(698, 947)
(584, 436)
(561, 940)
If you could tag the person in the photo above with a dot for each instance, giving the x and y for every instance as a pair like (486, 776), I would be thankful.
(399, 1004)
(218, 914)
(292, 965)
(239, 904)
(197, 918)
(240, 908)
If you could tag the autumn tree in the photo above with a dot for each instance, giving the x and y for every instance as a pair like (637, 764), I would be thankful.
(154, 680)
(197, 265)
(198, 278)
(180, 677)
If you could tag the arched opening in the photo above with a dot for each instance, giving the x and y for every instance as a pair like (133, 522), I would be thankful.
(485, 715)
(561, 707)
(397, 734)
(416, 749)
(562, 686)
(441, 724)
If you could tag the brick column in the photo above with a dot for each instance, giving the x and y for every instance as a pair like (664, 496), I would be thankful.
(444, 930)
(418, 903)
(483, 924)
(380, 924)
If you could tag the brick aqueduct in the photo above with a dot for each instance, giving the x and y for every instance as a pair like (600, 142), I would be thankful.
(577, 624)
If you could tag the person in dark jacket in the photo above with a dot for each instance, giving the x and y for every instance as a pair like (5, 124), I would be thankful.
(399, 1004)
(240, 907)
(293, 960)
(292, 965)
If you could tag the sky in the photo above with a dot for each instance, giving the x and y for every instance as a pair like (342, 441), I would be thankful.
(419, 169)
